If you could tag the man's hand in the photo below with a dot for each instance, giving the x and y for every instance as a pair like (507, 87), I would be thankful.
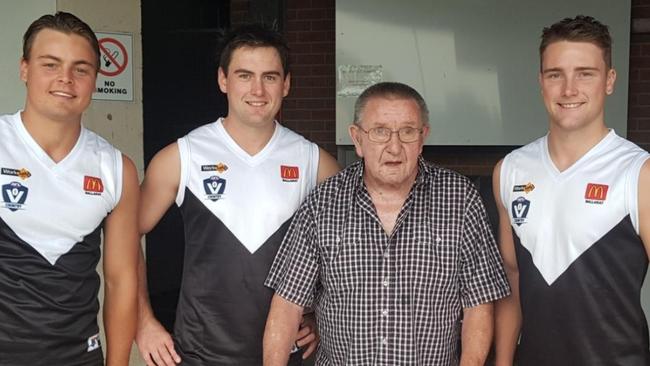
(155, 344)
(308, 335)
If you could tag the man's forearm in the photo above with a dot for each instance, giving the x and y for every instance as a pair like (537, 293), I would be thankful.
(120, 315)
(476, 335)
(144, 306)
(281, 328)
(507, 315)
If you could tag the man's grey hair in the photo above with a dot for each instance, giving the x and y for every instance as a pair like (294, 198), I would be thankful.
(390, 90)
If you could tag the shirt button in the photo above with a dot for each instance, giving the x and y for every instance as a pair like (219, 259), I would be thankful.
(385, 255)
(385, 283)
(438, 239)
(384, 341)
(338, 239)
(384, 312)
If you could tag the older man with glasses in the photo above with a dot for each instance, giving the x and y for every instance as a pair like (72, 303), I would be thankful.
(392, 252)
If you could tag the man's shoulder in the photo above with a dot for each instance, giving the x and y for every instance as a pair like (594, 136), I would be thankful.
(436, 173)
(344, 181)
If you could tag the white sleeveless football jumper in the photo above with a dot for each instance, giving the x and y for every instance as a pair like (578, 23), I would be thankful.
(236, 209)
(51, 216)
(581, 260)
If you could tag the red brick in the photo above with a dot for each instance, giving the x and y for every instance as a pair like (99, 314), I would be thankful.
(641, 99)
(321, 114)
(314, 36)
(641, 11)
(643, 124)
(638, 111)
(309, 59)
(329, 4)
(639, 137)
(640, 87)
(323, 25)
(323, 47)
(298, 4)
(310, 103)
(297, 25)
(635, 50)
(302, 13)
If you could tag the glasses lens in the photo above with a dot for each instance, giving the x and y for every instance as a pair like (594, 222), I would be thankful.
(408, 134)
(379, 134)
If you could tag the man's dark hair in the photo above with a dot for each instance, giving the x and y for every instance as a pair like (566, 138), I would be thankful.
(253, 35)
(61, 22)
(582, 28)
(390, 90)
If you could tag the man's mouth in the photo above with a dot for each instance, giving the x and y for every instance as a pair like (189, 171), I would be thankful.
(63, 94)
(256, 104)
(570, 105)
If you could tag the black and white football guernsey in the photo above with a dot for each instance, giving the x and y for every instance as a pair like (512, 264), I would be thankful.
(581, 260)
(236, 209)
(50, 221)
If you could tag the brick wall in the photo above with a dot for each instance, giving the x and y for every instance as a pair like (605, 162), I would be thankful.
(638, 125)
(310, 106)
(309, 109)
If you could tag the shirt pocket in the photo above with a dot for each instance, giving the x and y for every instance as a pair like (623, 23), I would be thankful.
(436, 259)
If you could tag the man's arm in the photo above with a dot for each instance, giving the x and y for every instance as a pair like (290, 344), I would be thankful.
(120, 274)
(476, 334)
(507, 311)
(158, 191)
(327, 165)
(281, 329)
(644, 205)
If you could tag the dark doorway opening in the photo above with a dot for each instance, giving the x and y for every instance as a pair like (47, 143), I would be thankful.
(180, 91)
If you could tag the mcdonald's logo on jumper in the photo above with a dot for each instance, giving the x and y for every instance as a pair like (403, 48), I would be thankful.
(93, 185)
(596, 193)
(289, 173)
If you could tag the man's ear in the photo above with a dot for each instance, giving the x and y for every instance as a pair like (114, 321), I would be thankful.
(222, 80)
(355, 135)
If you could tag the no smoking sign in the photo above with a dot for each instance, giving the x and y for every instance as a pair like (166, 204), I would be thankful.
(115, 76)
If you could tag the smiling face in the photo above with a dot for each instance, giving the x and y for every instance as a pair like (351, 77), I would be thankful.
(60, 76)
(255, 86)
(575, 81)
(393, 163)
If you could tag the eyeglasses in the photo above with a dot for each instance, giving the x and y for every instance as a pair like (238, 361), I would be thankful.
(383, 134)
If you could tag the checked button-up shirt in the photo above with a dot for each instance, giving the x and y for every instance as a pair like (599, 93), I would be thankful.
(390, 299)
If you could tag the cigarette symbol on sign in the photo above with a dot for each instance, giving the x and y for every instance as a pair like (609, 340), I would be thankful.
(107, 60)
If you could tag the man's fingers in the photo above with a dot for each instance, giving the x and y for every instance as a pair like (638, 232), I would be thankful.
(304, 331)
(172, 351)
(309, 350)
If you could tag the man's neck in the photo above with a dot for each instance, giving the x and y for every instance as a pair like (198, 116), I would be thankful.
(567, 147)
(251, 139)
(56, 138)
(388, 200)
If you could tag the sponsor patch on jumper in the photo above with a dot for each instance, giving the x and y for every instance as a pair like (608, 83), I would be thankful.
(93, 343)
(596, 193)
(289, 173)
(526, 188)
(93, 185)
(220, 168)
(520, 208)
(21, 173)
(14, 196)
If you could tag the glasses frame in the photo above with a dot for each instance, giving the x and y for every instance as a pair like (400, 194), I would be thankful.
(399, 136)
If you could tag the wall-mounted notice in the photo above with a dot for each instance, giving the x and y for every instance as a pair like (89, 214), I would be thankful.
(115, 76)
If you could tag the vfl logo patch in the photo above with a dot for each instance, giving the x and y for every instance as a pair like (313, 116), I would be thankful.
(596, 193)
(93, 343)
(220, 168)
(520, 208)
(93, 185)
(527, 188)
(289, 173)
(21, 173)
(14, 196)
(214, 187)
